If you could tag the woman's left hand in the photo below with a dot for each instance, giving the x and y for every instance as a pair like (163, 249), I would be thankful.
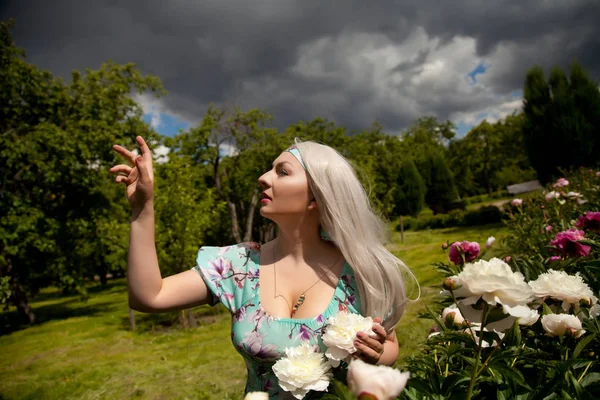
(370, 348)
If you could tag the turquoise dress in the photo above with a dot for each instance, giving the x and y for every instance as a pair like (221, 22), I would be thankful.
(231, 274)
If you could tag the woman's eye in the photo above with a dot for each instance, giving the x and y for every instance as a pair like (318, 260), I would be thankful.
(283, 172)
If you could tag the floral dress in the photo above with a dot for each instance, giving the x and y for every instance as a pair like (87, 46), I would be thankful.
(231, 274)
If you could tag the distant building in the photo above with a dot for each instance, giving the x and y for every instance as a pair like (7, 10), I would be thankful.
(524, 187)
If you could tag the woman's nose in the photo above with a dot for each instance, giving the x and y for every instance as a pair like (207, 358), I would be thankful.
(263, 181)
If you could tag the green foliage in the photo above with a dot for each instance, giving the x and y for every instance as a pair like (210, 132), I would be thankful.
(410, 190)
(58, 212)
(522, 362)
(562, 119)
(490, 157)
(441, 191)
(482, 216)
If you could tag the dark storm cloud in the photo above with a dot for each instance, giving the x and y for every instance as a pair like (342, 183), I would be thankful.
(353, 63)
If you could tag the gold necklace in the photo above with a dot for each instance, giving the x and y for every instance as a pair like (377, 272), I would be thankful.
(303, 295)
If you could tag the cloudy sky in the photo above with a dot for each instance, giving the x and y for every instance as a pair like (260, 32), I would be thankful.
(350, 61)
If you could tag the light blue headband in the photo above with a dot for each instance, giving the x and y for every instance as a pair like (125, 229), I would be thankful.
(293, 150)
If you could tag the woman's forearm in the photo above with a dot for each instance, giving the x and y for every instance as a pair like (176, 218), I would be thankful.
(144, 280)
(390, 352)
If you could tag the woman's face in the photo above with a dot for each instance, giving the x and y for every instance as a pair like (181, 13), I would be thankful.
(285, 188)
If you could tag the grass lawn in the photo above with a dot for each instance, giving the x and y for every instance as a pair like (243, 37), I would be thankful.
(84, 350)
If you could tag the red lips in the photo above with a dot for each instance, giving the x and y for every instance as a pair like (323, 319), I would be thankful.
(265, 196)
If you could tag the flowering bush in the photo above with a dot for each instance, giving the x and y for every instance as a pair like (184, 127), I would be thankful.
(524, 326)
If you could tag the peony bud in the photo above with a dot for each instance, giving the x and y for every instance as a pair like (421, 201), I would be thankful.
(507, 259)
(490, 242)
(452, 315)
(548, 228)
(516, 202)
(444, 245)
(449, 284)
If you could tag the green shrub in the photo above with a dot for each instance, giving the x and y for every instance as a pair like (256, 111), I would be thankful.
(482, 216)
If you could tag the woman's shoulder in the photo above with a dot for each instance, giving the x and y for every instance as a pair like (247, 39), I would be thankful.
(244, 248)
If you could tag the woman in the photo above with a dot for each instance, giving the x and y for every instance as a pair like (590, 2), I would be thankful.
(280, 293)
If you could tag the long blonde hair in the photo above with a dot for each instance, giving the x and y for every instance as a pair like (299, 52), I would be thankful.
(347, 217)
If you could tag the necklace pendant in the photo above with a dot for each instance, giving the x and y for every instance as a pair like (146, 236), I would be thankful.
(298, 304)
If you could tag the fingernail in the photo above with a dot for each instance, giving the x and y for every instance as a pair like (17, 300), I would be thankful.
(357, 343)
(139, 159)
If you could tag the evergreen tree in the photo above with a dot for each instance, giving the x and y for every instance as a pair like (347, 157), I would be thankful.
(562, 120)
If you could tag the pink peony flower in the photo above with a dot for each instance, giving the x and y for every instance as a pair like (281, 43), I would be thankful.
(548, 228)
(598, 173)
(507, 259)
(470, 250)
(516, 202)
(566, 243)
(552, 195)
(554, 258)
(562, 182)
(590, 221)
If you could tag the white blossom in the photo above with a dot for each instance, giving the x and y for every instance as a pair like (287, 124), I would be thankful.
(561, 324)
(341, 333)
(256, 396)
(494, 282)
(303, 369)
(381, 382)
(559, 285)
(552, 195)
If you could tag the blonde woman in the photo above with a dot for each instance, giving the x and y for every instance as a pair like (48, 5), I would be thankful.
(280, 293)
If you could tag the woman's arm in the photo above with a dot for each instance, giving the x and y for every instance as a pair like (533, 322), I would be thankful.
(379, 349)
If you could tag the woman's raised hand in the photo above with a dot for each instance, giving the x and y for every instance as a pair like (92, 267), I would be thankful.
(139, 177)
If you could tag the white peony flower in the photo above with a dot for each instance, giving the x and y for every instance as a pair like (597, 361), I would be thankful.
(457, 317)
(574, 194)
(494, 282)
(490, 242)
(526, 317)
(379, 381)
(561, 324)
(303, 369)
(341, 334)
(552, 195)
(559, 285)
(516, 202)
(257, 396)
(475, 331)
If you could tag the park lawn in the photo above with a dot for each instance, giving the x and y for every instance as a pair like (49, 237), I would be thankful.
(85, 350)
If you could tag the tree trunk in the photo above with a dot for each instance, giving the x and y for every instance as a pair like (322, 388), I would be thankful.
(250, 217)
(19, 299)
(192, 320)
(131, 319)
(235, 227)
(183, 319)
(402, 228)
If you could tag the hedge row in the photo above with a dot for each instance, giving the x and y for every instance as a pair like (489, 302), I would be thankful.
(482, 216)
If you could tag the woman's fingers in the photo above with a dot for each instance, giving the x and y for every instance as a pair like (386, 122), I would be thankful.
(121, 169)
(121, 178)
(146, 154)
(373, 343)
(130, 156)
(366, 353)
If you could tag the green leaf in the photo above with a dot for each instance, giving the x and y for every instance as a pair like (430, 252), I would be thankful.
(582, 344)
(590, 379)
(513, 336)
(342, 391)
